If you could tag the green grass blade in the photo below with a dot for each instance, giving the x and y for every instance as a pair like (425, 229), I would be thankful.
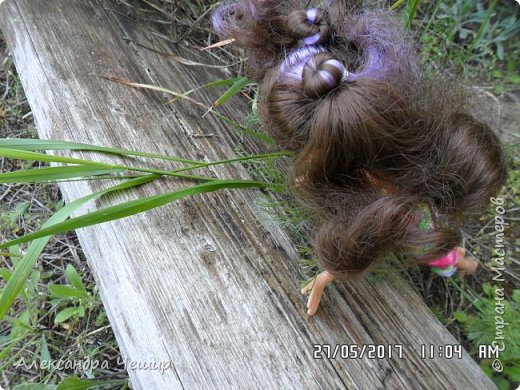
(216, 83)
(411, 9)
(47, 174)
(229, 121)
(41, 144)
(239, 85)
(8, 346)
(485, 22)
(24, 267)
(237, 159)
(156, 88)
(255, 134)
(127, 209)
(98, 178)
(75, 280)
(25, 155)
(75, 383)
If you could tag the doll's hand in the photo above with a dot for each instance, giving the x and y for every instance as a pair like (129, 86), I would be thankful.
(300, 180)
(465, 263)
(316, 285)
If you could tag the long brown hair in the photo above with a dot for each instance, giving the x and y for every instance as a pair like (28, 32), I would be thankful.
(377, 141)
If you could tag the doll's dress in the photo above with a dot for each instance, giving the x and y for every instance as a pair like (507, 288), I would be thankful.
(444, 265)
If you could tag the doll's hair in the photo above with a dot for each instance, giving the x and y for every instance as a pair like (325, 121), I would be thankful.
(376, 139)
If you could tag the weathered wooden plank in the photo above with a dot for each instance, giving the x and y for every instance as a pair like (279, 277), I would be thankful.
(203, 283)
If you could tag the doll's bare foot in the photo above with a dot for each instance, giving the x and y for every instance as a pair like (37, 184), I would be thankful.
(466, 264)
(317, 286)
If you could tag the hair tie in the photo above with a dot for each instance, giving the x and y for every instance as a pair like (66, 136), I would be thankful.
(312, 40)
(338, 64)
(309, 27)
(328, 76)
(311, 15)
(321, 74)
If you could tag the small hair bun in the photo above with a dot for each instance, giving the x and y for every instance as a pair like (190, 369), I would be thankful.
(311, 26)
(321, 74)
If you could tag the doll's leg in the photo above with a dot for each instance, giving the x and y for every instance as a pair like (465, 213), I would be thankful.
(317, 286)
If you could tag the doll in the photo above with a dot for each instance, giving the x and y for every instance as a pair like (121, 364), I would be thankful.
(389, 159)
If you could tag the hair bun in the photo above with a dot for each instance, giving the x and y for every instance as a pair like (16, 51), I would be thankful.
(311, 26)
(321, 74)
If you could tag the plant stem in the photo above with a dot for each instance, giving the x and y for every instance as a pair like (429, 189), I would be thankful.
(171, 173)
(397, 4)
(176, 173)
(238, 159)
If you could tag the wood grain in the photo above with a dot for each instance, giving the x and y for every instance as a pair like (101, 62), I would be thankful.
(204, 283)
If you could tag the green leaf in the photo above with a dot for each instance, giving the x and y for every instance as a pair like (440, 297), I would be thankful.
(216, 83)
(497, 74)
(411, 8)
(514, 78)
(65, 314)
(101, 318)
(227, 120)
(34, 386)
(239, 85)
(14, 251)
(21, 324)
(513, 373)
(61, 291)
(127, 209)
(500, 51)
(34, 156)
(243, 159)
(224, 97)
(5, 274)
(501, 382)
(41, 144)
(35, 278)
(488, 290)
(68, 172)
(39, 175)
(255, 134)
(74, 279)
(6, 347)
(45, 356)
(74, 383)
(21, 208)
(461, 316)
(24, 267)
(516, 297)
(483, 26)
(487, 369)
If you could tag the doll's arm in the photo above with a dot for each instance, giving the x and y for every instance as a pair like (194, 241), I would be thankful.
(465, 263)
(309, 160)
(317, 285)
